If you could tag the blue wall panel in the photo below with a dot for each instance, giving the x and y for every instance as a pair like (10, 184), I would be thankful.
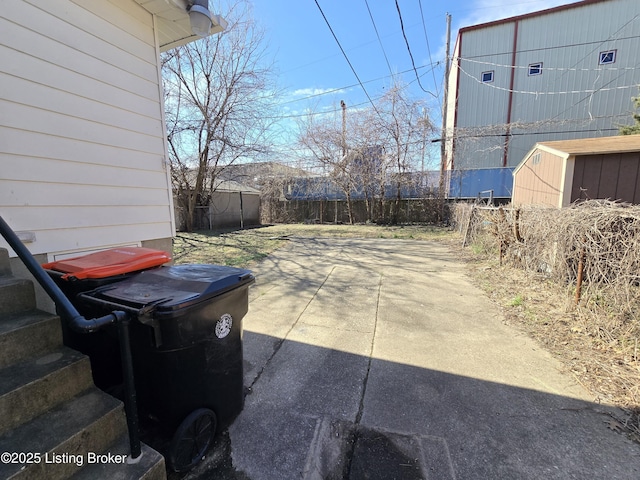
(468, 183)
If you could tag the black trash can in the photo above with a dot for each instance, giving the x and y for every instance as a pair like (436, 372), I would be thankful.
(84, 273)
(187, 349)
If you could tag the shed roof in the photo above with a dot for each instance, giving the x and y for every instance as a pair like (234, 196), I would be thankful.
(232, 186)
(594, 146)
(585, 146)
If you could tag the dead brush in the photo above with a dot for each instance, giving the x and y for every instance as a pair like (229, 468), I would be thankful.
(591, 253)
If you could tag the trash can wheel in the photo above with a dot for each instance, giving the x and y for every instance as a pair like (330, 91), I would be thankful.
(192, 439)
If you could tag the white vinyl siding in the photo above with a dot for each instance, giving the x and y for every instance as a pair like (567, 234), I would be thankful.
(82, 152)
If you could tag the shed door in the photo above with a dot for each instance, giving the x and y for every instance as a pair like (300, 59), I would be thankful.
(613, 177)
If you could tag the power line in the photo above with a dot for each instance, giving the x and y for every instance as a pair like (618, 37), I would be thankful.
(426, 37)
(608, 83)
(556, 47)
(346, 57)
(378, 35)
(334, 90)
(521, 134)
(610, 37)
(558, 69)
(567, 92)
(409, 50)
(302, 115)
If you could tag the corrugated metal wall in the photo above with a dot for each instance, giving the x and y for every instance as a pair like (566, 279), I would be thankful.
(574, 97)
(482, 107)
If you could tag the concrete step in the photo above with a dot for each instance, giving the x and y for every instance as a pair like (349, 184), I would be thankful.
(64, 437)
(53, 419)
(16, 295)
(5, 266)
(28, 334)
(29, 388)
(149, 466)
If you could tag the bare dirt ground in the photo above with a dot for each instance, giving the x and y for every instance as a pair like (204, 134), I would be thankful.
(531, 303)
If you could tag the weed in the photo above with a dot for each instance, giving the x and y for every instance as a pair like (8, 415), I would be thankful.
(516, 301)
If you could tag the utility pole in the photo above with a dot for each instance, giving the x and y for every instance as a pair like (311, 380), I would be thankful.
(443, 139)
(344, 145)
(344, 128)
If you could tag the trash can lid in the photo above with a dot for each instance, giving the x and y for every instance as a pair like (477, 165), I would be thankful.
(175, 287)
(107, 263)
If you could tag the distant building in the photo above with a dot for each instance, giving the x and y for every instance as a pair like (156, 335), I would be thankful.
(562, 73)
(256, 174)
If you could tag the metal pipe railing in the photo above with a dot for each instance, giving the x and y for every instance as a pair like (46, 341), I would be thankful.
(77, 322)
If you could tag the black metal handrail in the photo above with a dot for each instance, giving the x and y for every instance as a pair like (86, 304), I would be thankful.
(83, 325)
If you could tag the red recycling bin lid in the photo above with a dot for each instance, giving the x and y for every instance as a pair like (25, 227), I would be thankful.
(108, 263)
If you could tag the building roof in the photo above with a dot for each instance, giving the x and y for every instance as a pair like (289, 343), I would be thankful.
(530, 15)
(594, 146)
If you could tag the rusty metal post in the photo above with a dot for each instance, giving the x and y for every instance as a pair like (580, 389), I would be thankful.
(580, 275)
(502, 243)
(516, 225)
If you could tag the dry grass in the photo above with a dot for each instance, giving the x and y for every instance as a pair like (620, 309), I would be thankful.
(243, 248)
(597, 338)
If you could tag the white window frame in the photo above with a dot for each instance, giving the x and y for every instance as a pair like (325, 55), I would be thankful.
(603, 56)
(536, 68)
(490, 73)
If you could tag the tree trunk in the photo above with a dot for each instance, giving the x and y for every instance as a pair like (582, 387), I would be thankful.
(350, 208)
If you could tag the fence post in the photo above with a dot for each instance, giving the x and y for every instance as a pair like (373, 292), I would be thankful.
(241, 212)
(580, 275)
(466, 230)
(516, 226)
(502, 242)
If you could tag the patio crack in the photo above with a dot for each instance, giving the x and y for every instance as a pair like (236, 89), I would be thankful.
(277, 346)
(356, 429)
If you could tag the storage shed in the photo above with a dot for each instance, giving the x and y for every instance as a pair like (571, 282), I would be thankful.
(561, 172)
(232, 205)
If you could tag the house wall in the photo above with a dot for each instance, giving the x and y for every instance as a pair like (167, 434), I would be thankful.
(612, 176)
(82, 150)
(539, 180)
(574, 97)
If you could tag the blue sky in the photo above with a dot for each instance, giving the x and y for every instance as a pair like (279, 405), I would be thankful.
(315, 74)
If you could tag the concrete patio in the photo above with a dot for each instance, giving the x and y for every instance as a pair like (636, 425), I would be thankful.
(380, 359)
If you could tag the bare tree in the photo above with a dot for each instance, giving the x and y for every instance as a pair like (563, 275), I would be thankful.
(384, 143)
(325, 140)
(401, 125)
(218, 94)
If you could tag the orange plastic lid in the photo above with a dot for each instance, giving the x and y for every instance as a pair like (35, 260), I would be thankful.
(108, 263)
